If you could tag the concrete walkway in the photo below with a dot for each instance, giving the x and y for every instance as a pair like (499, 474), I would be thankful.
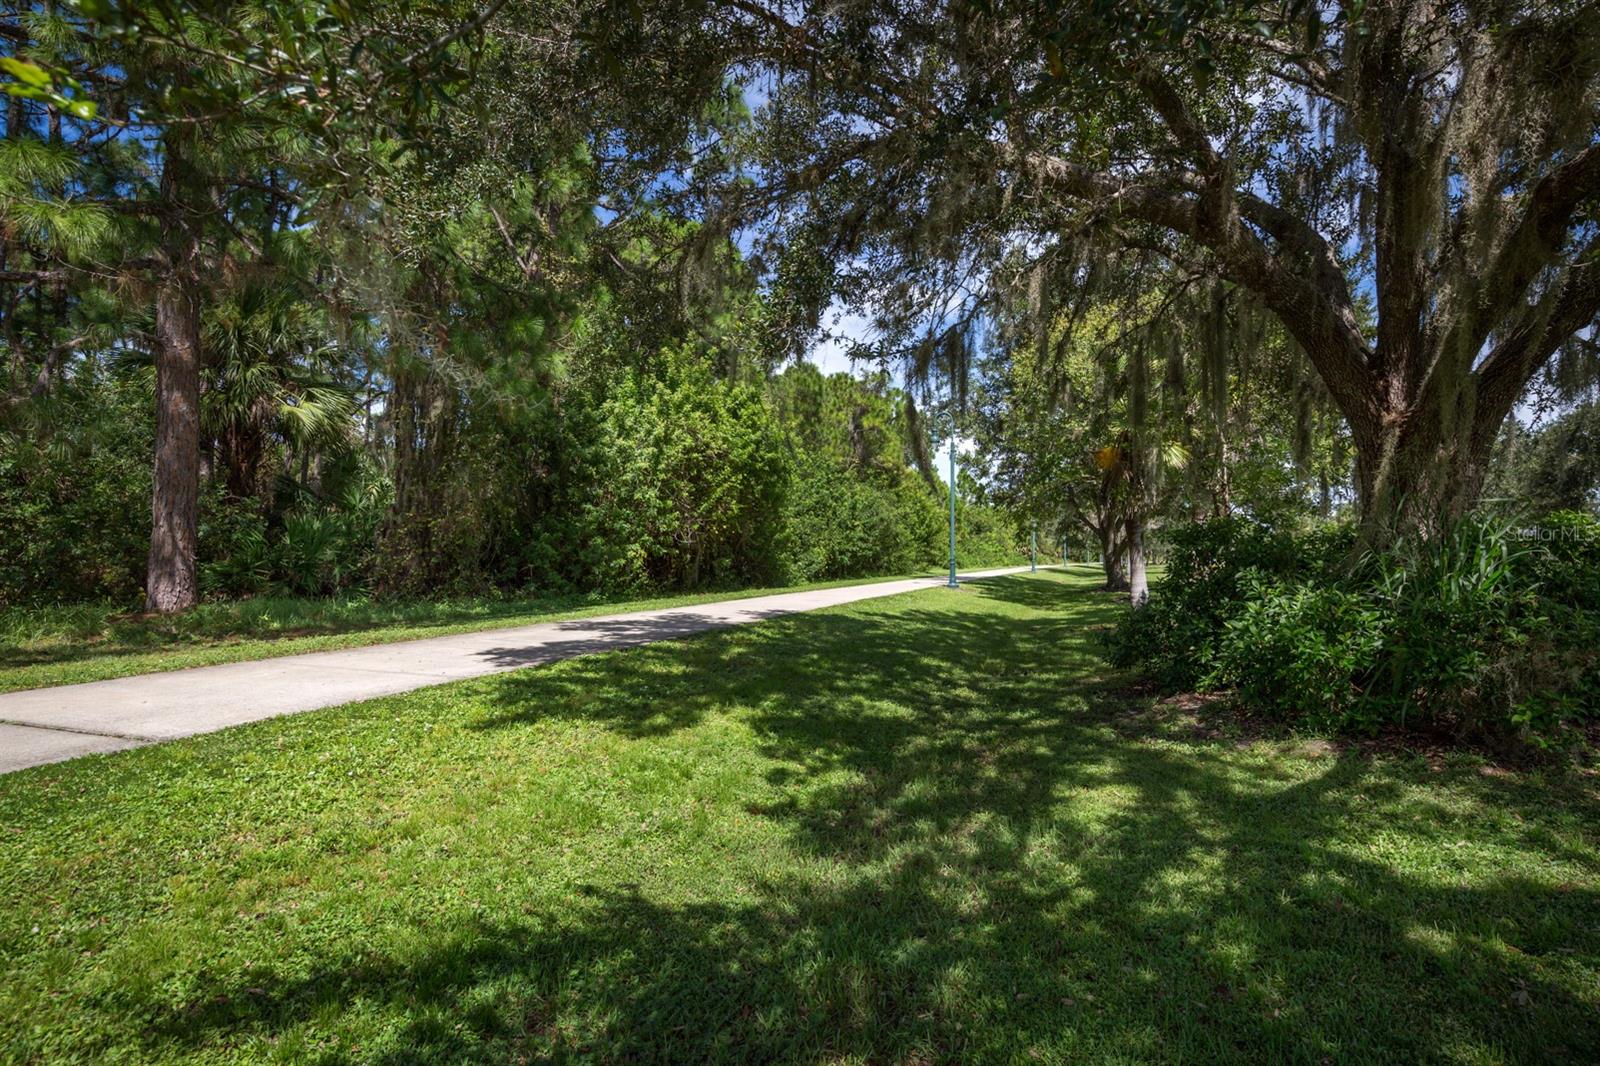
(51, 724)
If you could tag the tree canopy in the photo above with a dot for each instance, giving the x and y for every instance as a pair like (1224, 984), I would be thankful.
(1411, 190)
(417, 277)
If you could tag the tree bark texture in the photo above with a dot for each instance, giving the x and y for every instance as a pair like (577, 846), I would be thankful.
(172, 582)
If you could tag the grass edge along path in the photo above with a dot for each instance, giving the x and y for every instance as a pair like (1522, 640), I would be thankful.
(918, 829)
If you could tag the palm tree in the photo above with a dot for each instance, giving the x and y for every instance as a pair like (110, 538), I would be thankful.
(269, 380)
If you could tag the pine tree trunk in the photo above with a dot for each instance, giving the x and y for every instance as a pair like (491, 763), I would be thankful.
(171, 583)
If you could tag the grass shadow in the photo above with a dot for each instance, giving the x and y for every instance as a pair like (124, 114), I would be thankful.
(966, 859)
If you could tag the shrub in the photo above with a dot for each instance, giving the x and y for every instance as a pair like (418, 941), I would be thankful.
(310, 544)
(1460, 615)
(1480, 629)
(700, 476)
(235, 557)
(1564, 566)
(1566, 559)
(837, 525)
(1175, 636)
(75, 495)
(985, 536)
(1299, 650)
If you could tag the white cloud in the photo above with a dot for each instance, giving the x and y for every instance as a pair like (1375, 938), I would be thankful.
(840, 331)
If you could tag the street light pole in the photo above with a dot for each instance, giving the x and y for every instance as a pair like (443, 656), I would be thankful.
(953, 583)
(1033, 550)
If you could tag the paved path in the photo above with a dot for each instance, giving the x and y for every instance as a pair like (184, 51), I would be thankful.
(50, 724)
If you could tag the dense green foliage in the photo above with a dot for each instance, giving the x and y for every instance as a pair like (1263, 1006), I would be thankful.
(1177, 637)
(839, 525)
(75, 503)
(670, 477)
(1553, 467)
(433, 353)
(912, 830)
(701, 472)
(1487, 629)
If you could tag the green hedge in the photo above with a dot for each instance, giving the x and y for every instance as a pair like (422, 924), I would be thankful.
(1484, 628)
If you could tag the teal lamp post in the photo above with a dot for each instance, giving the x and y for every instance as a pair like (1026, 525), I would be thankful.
(1033, 550)
(953, 583)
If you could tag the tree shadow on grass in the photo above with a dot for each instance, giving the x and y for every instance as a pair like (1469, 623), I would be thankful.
(1028, 591)
(959, 953)
(1008, 876)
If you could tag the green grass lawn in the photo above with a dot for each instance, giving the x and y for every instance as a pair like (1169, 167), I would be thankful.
(928, 828)
(45, 646)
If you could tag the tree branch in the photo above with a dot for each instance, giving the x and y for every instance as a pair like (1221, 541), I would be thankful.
(1325, 330)
(1545, 222)
(1316, 74)
(1544, 327)
(30, 277)
(439, 44)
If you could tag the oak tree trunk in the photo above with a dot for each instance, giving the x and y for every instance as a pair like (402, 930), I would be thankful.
(1423, 465)
(1222, 496)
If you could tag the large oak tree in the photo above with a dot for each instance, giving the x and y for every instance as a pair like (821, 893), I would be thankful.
(1412, 187)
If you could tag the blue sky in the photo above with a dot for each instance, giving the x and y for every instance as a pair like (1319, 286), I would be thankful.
(829, 352)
